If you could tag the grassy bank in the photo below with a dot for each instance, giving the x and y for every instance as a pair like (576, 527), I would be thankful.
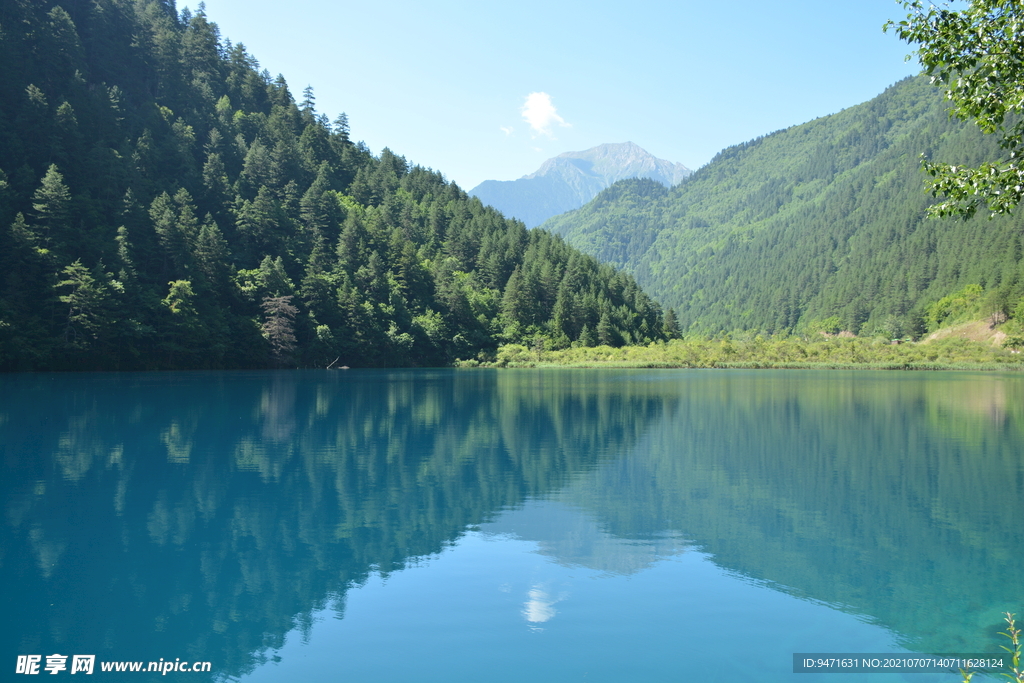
(833, 353)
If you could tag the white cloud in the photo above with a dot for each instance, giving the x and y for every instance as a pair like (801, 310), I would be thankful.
(507, 130)
(540, 607)
(541, 114)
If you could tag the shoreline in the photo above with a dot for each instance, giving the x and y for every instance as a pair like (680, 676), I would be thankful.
(765, 354)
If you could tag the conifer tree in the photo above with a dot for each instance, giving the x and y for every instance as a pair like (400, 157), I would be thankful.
(606, 334)
(671, 328)
(52, 206)
(87, 297)
(341, 127)
(588, 337)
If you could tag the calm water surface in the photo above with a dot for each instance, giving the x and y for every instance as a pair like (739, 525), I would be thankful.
(614, 525)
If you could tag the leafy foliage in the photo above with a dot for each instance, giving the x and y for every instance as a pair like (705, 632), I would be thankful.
(760, 352)
(977, 56)
(954, 306)
(165, 203)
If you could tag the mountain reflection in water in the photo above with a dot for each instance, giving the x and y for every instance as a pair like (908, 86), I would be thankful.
(207, 515)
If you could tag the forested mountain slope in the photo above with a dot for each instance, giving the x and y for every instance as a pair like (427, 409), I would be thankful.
(164, 203)
(819, 220)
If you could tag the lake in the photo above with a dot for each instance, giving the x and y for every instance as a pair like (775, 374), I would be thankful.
(526, 525)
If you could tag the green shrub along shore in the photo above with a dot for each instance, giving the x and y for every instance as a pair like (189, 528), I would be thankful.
(760, 352)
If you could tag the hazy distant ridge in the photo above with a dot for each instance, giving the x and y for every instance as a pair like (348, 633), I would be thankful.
(570, 180)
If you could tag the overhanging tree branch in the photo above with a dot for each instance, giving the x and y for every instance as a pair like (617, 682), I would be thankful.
(977, 56)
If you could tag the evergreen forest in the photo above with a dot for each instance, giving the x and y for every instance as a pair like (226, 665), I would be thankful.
(165, 203)
(821, 227)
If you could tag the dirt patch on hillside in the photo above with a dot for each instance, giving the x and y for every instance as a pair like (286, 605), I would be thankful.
(976, 330)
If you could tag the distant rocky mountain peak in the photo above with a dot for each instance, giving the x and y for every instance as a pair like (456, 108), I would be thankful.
(570, 180)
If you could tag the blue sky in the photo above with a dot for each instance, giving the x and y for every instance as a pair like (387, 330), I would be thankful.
(490, 90)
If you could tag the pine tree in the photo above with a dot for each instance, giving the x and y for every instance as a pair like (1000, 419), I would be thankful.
(565, 314)
(217, 195)
(588, 337)
(25, 268)
(308, 104)
(87, 297)
(515, 303)
(185, 339)
(212, 257)
(52, 206)
(341, 128)
(606, 333)
(671, 327)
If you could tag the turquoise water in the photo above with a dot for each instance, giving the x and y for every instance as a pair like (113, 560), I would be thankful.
(509, 525)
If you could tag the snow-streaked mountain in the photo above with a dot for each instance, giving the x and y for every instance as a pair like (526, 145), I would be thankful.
(570, 180)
